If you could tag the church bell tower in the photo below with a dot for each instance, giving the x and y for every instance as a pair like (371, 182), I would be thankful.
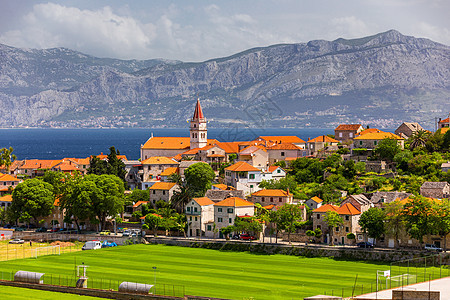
(198, 128)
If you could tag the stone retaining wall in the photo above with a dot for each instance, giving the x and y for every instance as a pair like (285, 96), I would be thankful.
(385, 255)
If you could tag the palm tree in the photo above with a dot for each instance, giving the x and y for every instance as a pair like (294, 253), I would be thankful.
(6, 157)
(181, 197)
(418, 139)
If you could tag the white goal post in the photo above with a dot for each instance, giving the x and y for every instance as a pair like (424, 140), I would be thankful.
(48, 250)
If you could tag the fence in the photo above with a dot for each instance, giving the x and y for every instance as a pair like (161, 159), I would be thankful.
(404, 272)
(160, 289)
(27, 250)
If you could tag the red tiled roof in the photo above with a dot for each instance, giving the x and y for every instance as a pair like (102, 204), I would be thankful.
(159, 160)
(282, 139)
(203, 201)
(323, 139)
(444, 120)
(378, 136)
(242, 166)
(169, 171)
(349, 127)
(271, 193)
(348, 209)
(6, 198)
(317, 199)
(234, 202)
(7, 177)
(326, 207)
(162, 186)
(229, 147)
(284, 146)
(198, 113)
(139, 203)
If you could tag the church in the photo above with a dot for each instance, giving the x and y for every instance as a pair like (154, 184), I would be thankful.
(173, 146)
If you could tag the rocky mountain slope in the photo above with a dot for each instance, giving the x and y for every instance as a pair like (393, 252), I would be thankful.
(379, 80)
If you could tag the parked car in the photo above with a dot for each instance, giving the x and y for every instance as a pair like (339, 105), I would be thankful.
(16, 241)
(54, 230)
(235, 237)
(364, 245)
(127, 233)
(431, 247)
(105, 232)
(247, 237)
(92, 245)
(19, 229)
(42, 229)
(107, 244)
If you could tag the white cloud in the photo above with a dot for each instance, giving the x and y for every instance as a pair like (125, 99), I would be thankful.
(349, 27)
(434, 33)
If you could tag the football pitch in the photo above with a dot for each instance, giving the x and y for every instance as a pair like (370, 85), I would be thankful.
(210, 273)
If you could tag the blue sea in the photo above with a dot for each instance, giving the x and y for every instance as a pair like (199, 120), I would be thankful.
(81, 143)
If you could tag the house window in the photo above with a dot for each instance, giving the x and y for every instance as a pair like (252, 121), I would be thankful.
(351, 134)
(230, 210)
(374, 142)
(230, 221)
(190, 218)
(208, 228)
(195, 219)
(278, 171)
(212, 152)
(251, 176)
(271, 199)
(347, 218)
(340, 134)
(154, 192)
(164, 192)
(220, 220)
(318, 227)
(346, 229)
(195, 209)
(219, 209)
(280, 199)
(337, 229)
(360, 143)
(251, 186)
(282, 153)
(262, 199)
(318, 216)
(188, 208)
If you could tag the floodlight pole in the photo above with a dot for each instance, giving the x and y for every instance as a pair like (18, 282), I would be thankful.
(154, 274)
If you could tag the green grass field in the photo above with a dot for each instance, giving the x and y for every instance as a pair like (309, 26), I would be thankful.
(203, 272)
(9, 292)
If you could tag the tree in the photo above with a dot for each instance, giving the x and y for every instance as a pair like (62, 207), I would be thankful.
(97, 166)
(333, 220)
(349, 171)
(418, 139)
(109, 197)
(284, 183)
(32, 198)
(372, 222)
(227, 230)
(441, 217)
(199, 177)
(7, 158)
(181, 197)
(387, 149)
(58, 181)
(115, 166)
(394, 219)
(288, 216)
(419, 217)
(153, 221)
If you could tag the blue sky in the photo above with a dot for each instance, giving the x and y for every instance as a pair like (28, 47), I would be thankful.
(200, 30)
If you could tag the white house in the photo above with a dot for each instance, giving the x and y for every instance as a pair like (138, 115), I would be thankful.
(243, 176)
(199, 212)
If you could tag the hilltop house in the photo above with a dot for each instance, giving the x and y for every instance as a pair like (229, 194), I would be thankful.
(162, 191)
(8, 182)
(444, 123)
(372, 139)
(346, 132)
(256, 156)
(319, 143)
(5, 202)
(314, 203)
(275, 197)
(199, 212)
(243, 176)
(279, 152)
(407, 129)
(437, 190)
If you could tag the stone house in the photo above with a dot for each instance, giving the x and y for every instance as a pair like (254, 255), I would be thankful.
(279, 152)
(273, 172)
(226, 211)
(8, 181)
(243, 176)
(154, 166)
(350, 218)
(319, 143)
(199, 212)
(5, 201)
(268, 141)
(445, 167)
(407, 129)
(437, 190)
(256, 156)
(318, 218)
(360, 202)
(275, 197)
(444, 123)
(162, 191)
(379, 199)
(217, 195)
(371, 140)
(346, 132)
(213, 155)
(314, 203)
(134, 174)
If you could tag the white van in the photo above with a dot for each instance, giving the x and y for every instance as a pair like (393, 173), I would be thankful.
(92, 245)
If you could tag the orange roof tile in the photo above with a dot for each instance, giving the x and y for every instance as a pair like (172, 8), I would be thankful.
(191, 151)
(271, 193)
(369, 130)
(139, 203)
(348, 209)
(242, 166)
(234, 202)
(284, 146)
(378, 136)
(171, 143)
(444, 130)
(203, 201)
(349, 127)
(271, 169)
(269, 207)
(316, 199)
(7, 177)
(6, 198)
(251, 149)
(162, 186)
(444, 120)
(282, 139)
(221, 186)
(177, 157)
(159, 160)
(169, 171)
(39, 164)
(323, 139)
(229, 147)
(326, 207)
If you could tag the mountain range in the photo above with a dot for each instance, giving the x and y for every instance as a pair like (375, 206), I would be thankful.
(380, 80)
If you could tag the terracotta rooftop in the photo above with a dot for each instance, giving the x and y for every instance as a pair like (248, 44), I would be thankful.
(369, 130)
(271, 193)
(7, 177)
(378, 136)
(348, 209)
(6, 198)
(169, 171)
(444, 120)
(203, 201)
(350, 127)
(323, 139)
(242, 166)
(234, 202)
(229, 147)
(162, 186)
(159, 160)
(39, 164)
(326, 207)
(284, 146)
(251, 149)
(282, 139)
(139, 203)
(316, 199)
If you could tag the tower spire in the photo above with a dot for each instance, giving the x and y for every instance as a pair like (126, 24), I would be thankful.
(198, 113)
(198, 128)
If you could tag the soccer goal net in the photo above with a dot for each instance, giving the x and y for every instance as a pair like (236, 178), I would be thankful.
(403, 279)
(48, 250)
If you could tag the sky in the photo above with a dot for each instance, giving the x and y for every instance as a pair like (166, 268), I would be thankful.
(201, 30)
